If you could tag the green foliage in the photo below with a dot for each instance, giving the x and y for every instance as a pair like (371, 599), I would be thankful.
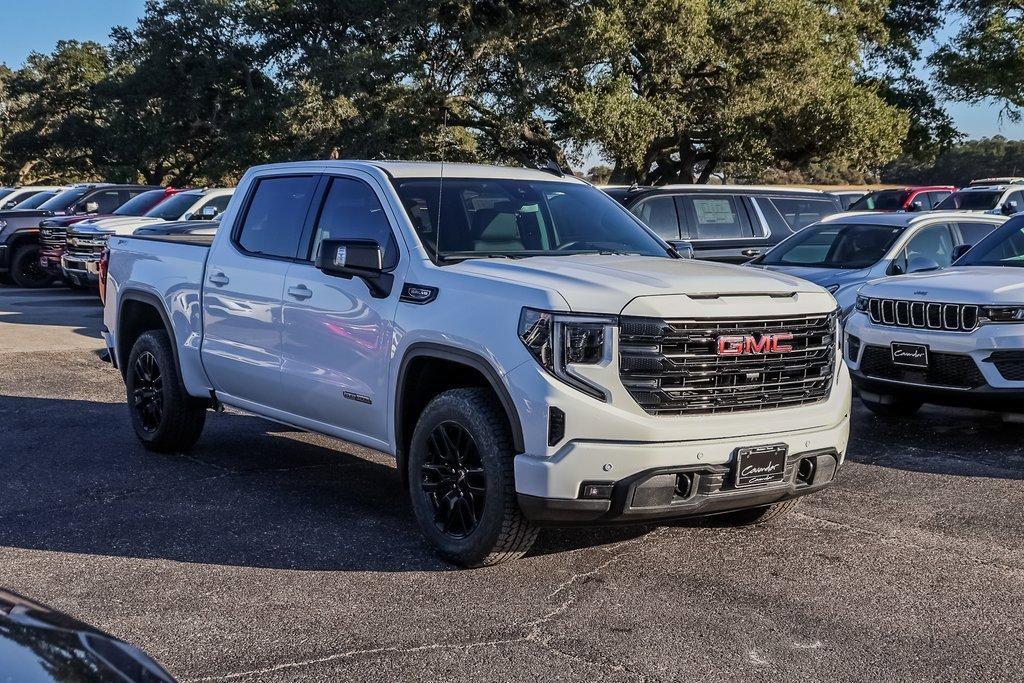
(986, 58)
(958, 165)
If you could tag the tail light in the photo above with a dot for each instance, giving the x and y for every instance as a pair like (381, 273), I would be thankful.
(104, 261)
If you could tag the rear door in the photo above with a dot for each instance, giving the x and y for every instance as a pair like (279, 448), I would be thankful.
(337, 337)
(721, 227)
(244, 285)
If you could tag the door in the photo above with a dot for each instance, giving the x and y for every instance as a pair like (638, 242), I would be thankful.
(337, 337)
(244, 285)
(722, 227)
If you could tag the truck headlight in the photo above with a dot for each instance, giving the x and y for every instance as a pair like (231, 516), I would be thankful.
(1002, 314)
(559, 341)
(862, 303)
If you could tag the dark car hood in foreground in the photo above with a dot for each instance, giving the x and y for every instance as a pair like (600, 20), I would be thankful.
(41, 645)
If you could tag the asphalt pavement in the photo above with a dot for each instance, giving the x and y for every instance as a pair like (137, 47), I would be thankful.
(274, 555)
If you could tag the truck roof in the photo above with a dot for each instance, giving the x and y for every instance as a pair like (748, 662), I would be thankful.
(428, 169)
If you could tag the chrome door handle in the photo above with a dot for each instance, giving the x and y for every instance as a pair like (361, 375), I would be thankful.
(751, 252)
(218, 279)
(300, 292)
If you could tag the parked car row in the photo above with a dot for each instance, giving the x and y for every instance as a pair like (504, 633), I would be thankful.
(48, 232)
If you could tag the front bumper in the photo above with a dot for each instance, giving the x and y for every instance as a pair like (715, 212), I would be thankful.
(991, 390)
(81, 271)
(685, 491)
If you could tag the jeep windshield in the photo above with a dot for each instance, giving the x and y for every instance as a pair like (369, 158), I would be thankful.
(835, 245)
(495, 217)
(971, 200)
(1003, 247)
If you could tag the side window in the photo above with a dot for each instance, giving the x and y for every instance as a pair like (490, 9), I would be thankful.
(934, 242)
(351, 210)
(799, 213)
(937, 197)
(107, 200)
(659, 213)
(275, 216)
(921, 202)
(1018, 200)
(719, 217)
(219, 203)
(973, 232)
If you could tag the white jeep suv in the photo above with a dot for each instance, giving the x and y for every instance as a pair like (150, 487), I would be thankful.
(952, 337)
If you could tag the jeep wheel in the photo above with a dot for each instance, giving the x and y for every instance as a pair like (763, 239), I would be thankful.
(461, 481)
(894, 406)
(26, 271)
(165, 418)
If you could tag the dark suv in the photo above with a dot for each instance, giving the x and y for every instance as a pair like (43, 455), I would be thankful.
(19, 230)
(730, 223)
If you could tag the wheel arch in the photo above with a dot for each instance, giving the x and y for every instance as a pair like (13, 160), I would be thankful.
(431, 357)
(150, 315)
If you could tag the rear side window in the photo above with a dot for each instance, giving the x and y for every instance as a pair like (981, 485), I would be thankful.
(799, 213)
(973, 233)
(106, 200)
(718, 217)
(352, 211)
(275, 216)
(659, 214)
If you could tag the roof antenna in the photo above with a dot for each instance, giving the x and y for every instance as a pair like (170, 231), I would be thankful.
(440, 184)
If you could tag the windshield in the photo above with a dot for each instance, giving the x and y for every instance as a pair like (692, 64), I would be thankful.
(35, 200)
(482, 217)
(63, 200)
(171, 209)
(971, 201)
(4, 191)
(883, 200)
(1003, 247)
(835, 245)
(140, 204)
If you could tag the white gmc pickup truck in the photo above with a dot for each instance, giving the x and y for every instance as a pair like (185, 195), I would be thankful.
(529, 351)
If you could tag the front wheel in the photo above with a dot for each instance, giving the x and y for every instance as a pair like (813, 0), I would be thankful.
(462, 483)
(26, 271)
(165, 418)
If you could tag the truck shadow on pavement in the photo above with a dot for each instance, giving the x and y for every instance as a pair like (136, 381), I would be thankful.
(80, 310)
(250, 494)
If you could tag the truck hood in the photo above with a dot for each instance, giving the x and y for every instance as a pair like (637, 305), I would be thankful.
(966, 285)
(28, 213)
(607, 284)
(121, 225)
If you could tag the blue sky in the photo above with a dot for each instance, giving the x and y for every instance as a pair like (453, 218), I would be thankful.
(39, 24)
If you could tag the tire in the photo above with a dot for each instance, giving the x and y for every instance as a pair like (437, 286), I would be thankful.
(26, 271)
(164, 417)
(899, 407)
(461, 448)
(759, 515)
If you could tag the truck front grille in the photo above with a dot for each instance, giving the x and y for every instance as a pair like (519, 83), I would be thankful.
(86, 247)
(944, 369)
(53, 239)
(673, 367)
(923, 315)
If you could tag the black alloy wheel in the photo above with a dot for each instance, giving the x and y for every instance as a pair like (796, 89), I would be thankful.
(26, 271)
(147, 391)
(454, 480)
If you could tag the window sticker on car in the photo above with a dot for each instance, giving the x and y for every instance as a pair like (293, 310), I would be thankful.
(714, 211)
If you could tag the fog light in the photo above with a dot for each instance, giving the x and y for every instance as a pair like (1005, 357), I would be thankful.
(596, 490)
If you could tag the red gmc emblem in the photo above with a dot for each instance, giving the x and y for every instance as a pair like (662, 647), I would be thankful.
(748, 344)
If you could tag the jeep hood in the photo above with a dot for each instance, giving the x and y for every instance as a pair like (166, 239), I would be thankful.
(963, 285)
(608, 284)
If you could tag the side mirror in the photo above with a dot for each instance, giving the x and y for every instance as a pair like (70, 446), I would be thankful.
(684, 248)
(92, 207)
(959, 250)
(1010, 208)
(356, 258)
(920, 264)
(209, 212)
(916, 205)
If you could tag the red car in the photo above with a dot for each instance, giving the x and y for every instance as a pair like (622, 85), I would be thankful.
(53, 231)
(920, 198)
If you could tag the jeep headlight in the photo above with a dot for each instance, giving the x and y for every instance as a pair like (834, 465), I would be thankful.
(862, 303)
(1002, 314)
(559, 341)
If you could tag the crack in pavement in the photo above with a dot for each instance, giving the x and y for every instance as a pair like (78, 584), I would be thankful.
(533, 635)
